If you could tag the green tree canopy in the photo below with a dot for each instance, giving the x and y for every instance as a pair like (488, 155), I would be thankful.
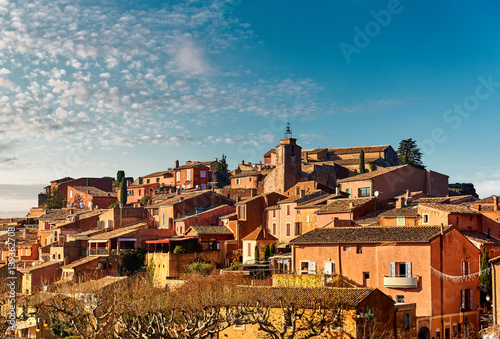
(485, 278)
(55, 200)
(222, 173)
(409, 153)
(362, 162)
(123, 192)
(119, 176)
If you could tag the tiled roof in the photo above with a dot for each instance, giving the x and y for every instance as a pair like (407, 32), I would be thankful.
(353, 162)
(435, 200)
(343, 205)
(58, 181)
(314, 151)
(175, 198)
(158, 174)
(258, 234)
(372, 219)
(270, 152)
(258, 196)
(93, 191)
(453, 209)
(118, 232)
(228, 216)
(408, 212)
(59, 214)
(306, 296)
(371, 175)
(353, 150)
(309, 195)
(209, 230)
(39, 265)
(207, 210)
(192, 166)
(396, 234)
(485, 208)
(318, 203)
(458, 198)
(79, 262)
(488, 200)
(247, 174)
(480, 237)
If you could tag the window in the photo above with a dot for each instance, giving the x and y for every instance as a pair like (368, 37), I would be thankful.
(349, 192)
(401, 221)
(307, 267)
(203, 174)
(163, 220)
(287, 209)
(237, 181)
(364, 192)
(308, 218)
(465, 268)
(70, 204)
(425, 218)
(366, 275)
(157, 179)
(71, 194)
(347, 248)
(274, 214)
(239, 327)
(241, 211)
(400, 299)
(148, 181)
(329, 267)
(288, 231)
(188, 174)
(467, 304)
(298, 228)
(407, 319)
(457, 221)
(249, 250)
(90, 204)
(177, 176)
(155, 211)
(359, 249)
(400, 269)
(274, 228)
(170, 222)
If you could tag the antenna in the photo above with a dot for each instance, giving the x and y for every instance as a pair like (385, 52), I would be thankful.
(376, 194)
(288, 133)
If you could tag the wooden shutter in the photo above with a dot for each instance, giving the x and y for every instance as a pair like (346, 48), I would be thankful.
(393, 269)
(408, 269)
(329, 267)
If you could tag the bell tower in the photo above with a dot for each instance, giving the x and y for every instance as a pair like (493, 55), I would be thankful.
(288, 162)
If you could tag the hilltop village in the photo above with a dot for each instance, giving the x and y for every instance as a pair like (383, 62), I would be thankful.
(397, 242)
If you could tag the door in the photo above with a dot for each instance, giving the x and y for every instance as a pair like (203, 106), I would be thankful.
(424, 333)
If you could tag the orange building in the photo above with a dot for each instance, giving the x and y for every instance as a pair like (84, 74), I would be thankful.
(89, 197)
(194, 175)
(136, 192)
(435, 267)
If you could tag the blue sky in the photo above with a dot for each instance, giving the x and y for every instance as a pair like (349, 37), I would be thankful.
(90, 87)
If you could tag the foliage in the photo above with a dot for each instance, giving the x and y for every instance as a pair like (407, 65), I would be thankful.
(267, 252)
(123, 192)
(371, 166)
(273, 249)
(113, 205)
(150, 269)
(179, 249)
(106, 177)
(222, 173)
(59, 328)
(119, 177)
(200, 267)
(235, 266)
(256, 254)
(55, 200)
(133, 261)
(236, 256)
(362, 162)
(145, 199)
(485, 278)
(409, 153)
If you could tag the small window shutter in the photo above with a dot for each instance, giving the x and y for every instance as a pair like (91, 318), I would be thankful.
(110, 223)
(468, 268)
(408, 269)
(312, 267)
(393, 269)
(98, 224)
(463, 269)
(463, 298)
(470, 299)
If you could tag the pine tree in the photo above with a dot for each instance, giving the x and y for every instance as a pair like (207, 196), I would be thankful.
(409, 153)
(362, 162)
(55, 200)
(222, 173)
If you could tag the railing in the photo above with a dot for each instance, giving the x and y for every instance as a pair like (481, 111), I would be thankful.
(402, 281)
(98, 251)
(114, 251)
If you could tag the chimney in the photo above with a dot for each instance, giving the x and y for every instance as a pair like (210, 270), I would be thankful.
(242, 162)
(495, 203)
(351, 204)
(302, 193)
(401, 202)
(88, 191)
(306, 160)
(408, 194)
(259, 166)
(253, 192)
(479, 208)
(337, 190)
(216, 160)
(442, 229)
(176, 164)
(297, 190)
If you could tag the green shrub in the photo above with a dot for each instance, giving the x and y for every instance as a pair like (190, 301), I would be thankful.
(200, 267)
(179, 249)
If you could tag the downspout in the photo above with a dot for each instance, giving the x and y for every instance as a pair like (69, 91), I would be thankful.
(495, 311)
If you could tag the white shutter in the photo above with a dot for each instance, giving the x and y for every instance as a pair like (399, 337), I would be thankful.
(408, 269)
(393, 269)
(329, 267)
(312, 267)
(463, 269)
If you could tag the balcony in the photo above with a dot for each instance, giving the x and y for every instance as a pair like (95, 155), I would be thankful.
(400, 282)
(98, 251)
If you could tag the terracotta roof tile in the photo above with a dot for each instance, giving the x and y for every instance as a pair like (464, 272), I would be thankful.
(353, 150)
(158, 174)
(408, 212)
(208, 230)
(258, 234)
(93, 191)
(373, 174)
(360, 235)
(453, 209)
(343, 205)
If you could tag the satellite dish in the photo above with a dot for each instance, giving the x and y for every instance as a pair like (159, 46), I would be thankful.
(376, 194)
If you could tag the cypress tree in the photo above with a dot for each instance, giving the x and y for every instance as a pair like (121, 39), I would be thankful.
(256, 254)
(119, 176)
(485, 278)
(267, 252)
(272, 249)
(362, 162)
(123, 192)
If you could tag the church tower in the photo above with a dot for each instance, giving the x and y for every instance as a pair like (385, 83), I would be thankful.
(288, 162)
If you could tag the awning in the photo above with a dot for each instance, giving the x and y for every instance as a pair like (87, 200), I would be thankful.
(127, 239)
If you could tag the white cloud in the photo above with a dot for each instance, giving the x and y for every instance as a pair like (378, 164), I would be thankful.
(4, 83)
(189, 58)
(4, 71)
(106, 75)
